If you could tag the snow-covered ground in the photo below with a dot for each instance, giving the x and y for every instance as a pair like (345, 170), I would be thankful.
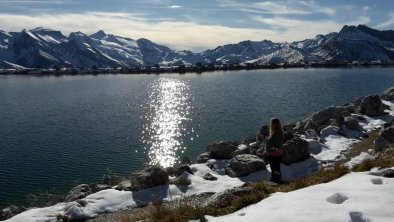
(356, 197)
(308, 204)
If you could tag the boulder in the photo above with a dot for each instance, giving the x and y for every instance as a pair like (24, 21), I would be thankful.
(328, 131)
(385, 139)
(124, 185)
(112, 180)
(203, 158)
(295, 150)
(323, 116)
(225, 198)
(351, 123)
(372, 106)
(78, 192)
(243, 165)
(181, 169)
(221, 150)
(242, 149)
(388, 94)
(181, 181)
(209, 176)
(150, 177)
(99, 187)
(10, 211)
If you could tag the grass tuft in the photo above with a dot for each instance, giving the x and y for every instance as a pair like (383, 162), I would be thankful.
(385, 160)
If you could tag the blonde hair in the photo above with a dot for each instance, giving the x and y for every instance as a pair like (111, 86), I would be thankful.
(275, 126)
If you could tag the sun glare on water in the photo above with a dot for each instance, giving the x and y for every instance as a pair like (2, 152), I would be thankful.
(168, 112)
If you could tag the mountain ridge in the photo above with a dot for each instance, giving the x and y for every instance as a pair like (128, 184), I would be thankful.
(46, 48)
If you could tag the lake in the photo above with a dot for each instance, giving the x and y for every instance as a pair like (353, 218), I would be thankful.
(57, 131)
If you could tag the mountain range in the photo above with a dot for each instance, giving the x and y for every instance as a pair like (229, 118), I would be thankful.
(47, 48)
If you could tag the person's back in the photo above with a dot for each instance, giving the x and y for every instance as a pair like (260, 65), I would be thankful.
(274, 145)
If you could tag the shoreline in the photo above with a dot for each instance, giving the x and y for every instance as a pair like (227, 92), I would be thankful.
(295, 128)
(185, 69)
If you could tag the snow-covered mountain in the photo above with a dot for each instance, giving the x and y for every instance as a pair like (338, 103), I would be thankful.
(42, 47)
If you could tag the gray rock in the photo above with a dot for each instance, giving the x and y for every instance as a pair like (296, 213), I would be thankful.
(243, 165)
(352, 123)
(185, 161)
(10, 211)
(203, 158)
(78, 192)
(112, 180)
(323, 116)
(372, 106)
(99, 187)
(329, 130)
(388, 94)
(181, 169)
(388, 173)
(385, 139)
(225, 198)
(209, 176)
(295, 150)
(181, 181)
(242, 149)
(150, 177)
(221, 150)
(124, 185)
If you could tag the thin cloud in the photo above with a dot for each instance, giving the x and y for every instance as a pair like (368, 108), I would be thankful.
(175, 34)
(299, 29)
(278, 7)
(174, 6)
(388, 22)
(21, 2)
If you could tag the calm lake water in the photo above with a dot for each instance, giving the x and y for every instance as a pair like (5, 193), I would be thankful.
(58, 131)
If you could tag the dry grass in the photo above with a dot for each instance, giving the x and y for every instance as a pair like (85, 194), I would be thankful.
(362, 146)
(323, 176)
(385, 160)
(180, 212)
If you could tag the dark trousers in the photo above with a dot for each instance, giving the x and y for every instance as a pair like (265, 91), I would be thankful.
(275, 161)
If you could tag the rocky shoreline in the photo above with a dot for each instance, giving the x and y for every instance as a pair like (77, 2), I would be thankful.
(240, 159)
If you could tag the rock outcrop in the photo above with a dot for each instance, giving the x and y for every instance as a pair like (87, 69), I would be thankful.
(203, 157)
(209, 176)
(372, 106)
(221, 150)
(352, 123)
(112, 180)
(150, 177)
(243, 165)
(10, 211)
(181, 181)
(385, 139)
(78, 192)
(296, 150)
(388, 94)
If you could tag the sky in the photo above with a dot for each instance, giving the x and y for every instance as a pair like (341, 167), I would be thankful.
(197, 25)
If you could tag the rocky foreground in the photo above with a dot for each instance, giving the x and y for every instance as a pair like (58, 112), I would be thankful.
(219, 174)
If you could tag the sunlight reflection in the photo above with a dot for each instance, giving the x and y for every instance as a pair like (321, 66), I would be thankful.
(165, 125)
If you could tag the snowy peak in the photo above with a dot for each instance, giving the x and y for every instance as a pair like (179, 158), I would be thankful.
(99, 35)
(49, 35)
(42, 47)
(386, 35)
